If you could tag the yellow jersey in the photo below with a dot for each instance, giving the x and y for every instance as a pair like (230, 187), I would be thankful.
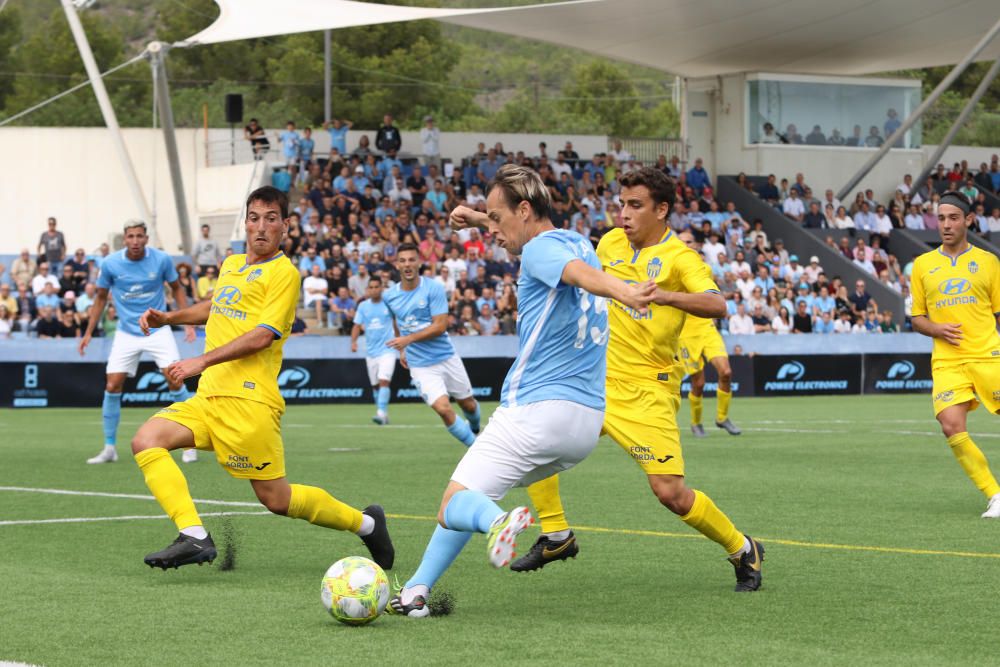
(644, 347)
(697, 327)
(248, 296)
(963, 290)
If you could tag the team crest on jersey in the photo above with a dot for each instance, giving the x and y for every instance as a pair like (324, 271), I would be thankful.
(653, 268)
(996, 396)
(151, 275)
(254, 275)
(973, 267)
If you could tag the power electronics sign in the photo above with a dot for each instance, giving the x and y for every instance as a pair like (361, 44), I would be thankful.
(319, 382)
(807, 375)
(898, 373)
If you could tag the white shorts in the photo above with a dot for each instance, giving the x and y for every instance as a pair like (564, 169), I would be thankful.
(126, 350)
(447, 378)
(380, 368)
(527, 443)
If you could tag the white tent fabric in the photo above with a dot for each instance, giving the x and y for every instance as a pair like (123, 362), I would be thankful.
(246, 19)
(693, 38)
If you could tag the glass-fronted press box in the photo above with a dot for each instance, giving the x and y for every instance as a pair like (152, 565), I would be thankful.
(857, 112)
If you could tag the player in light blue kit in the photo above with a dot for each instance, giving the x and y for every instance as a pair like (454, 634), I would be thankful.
(135, 276)
(552, 402)
(374, 318)
(420, 309)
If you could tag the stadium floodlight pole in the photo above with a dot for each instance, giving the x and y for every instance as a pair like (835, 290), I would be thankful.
(157, 53)
(959, 122)
(108, 111)
(915, 116)
(327, 77)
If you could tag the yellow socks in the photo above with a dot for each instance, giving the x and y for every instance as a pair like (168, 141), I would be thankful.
(974, 462)
(696, 404)
(318, 507)
(167, 484)
(548, 505)
(722, 399)
(709, 520)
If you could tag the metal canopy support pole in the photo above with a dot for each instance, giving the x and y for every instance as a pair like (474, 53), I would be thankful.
(915, 116)
(108, 111)
(684, 111)
(327, 78)
(959, 122)
(157, 52)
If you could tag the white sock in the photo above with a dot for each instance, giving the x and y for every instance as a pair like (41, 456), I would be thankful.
(407, 594)
(109, 448)
(367, 526)
(557, 536)
(197, 532)
(744, 550)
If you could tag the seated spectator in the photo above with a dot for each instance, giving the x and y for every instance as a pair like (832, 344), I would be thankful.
(816, 137)
(68, 327)
(913, 219)
(835, 138)
(929, 213)
(7, 322)
(769, 136)
(802, 320)
(207, 282)
(844, 324)
(873, 140)
(341, 314)
(769, 191)
(761, 323)
(824, 323)
(23, 268)
(860, 299)
(782, 322)
(49, 298)
(487, 324)
(824, 303)
(740, 323)
(793, 207)
(315, 290)
(993, 222)
(814, 219)
(872, 323)
(697, 177)
(39, 281)
(864, 219)
(888, 325)
(862, 261)
(465, 323)
(812, 272)
(47, 325)
(792, 135)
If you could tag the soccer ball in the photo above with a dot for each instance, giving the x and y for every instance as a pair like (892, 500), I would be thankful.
(355, 590)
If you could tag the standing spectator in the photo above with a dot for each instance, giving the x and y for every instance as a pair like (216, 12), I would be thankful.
(315, 290)
(52, 245)
(892, 123)
(257, 137)
(430, 141)
(290, 146)
(206, 251)
(307, 145)
(697, 177)
(337, 128)
(802, 321)
(388, 138)
(23, 269)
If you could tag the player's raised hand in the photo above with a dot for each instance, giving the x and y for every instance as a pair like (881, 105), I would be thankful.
(950, 332)
(152, 319)
(463, 217)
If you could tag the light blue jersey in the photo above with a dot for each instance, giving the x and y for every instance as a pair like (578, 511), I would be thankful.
(414, 311)
(290, 144)
(136, 286)
(562, 330)
(338, 138)
(377, 321)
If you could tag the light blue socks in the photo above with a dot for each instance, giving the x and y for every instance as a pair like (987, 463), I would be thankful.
(441, 551)
(473, 418)
(111, 411)
(382, 399)
(471, 511)
(460, 429)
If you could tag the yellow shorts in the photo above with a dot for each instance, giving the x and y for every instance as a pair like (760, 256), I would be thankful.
(978, 382)
(642, 418)
(245, 435)
(694, 351)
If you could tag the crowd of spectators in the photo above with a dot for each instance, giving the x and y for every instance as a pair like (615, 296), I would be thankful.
(874, 138)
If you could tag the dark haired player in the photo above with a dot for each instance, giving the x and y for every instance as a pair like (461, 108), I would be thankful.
(237, 410)
(956, 301)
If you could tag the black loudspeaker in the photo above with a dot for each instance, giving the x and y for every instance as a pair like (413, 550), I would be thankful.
(234, 108)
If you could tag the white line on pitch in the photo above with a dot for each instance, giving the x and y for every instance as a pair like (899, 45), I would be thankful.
(131, 496)
(88, 519)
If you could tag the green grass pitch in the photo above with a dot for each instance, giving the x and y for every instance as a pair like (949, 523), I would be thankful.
(875, 550)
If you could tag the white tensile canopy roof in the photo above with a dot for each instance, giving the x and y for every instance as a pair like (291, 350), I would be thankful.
(691, 38)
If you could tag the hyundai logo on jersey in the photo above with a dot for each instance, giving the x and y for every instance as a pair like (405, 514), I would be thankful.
(954, 286)
(228, 296)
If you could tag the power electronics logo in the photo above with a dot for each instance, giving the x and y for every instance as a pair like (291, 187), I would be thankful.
(295, 383)
(793, 376)
(152, 387)
(899, 377)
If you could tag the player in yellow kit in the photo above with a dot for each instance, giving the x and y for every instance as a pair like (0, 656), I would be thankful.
(700, 340)
(237, 410)
(956, 301)
(643, 377)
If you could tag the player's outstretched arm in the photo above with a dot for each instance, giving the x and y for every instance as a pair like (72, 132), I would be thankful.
(243, 346)
(950, 332)
(96, 312)
(355, 332)
(580, 274)
(464, 217)
(196, 314)
(705, 304)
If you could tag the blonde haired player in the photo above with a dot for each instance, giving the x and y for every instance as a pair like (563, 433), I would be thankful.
(700, 340)
(644, 377)
(956, 301)
(237, 410)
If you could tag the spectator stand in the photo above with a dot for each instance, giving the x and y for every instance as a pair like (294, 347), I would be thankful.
(805, 244)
